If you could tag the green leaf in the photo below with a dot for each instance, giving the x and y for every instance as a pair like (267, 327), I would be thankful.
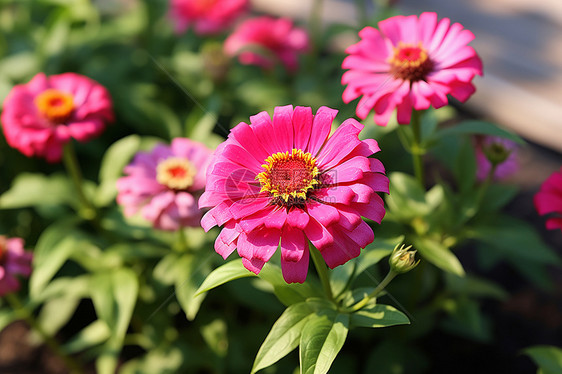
(192, 270)
(114, 296)
(514, 238)
(321, 340)
(230, 271)
(438, 255)
(95, 333)
(289, 293)
(465, 166)
(216, 337)
(466, 319)
(56, 245)
(473, 286)
(30, 190)
(284, 335)
(378, 316)
(407, 197)
(117, 156)
(56, 313)
(478, 127)
(547, 358)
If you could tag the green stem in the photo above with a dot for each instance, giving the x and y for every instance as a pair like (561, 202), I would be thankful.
(382, 285)
(88, 210)
(181, 241)
(49, 340)
(322, 270)
(315, 31)
(417, 150)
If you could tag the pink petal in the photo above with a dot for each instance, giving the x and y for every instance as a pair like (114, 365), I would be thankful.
(295, 272)
(321, 126)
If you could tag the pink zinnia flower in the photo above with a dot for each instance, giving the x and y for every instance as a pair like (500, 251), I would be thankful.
(206, 16)
(263, 41)
(41, 116)
(549, 200)
(501, 151)
(285, 182)
(410, 63)
(164, 184)
(13, 261)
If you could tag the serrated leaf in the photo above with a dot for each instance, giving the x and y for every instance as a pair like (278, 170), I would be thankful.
(547, 358)
(438, 255)
(283, 337)
(378, 316)
(321, 340)
(230, 271)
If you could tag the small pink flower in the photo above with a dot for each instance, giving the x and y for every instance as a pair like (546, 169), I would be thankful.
(501, 151)
(549, 200)
(164, 184)
(13, 261)
(263, 41)
(409, 62)
(286, 182)
(206, 16)
(41, 116)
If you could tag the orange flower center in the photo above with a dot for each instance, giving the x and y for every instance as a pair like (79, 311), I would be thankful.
(410, 62)
(55, 105)
(288, 177)
(176, 173)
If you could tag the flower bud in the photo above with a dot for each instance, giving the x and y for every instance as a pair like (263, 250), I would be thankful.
(402, 260)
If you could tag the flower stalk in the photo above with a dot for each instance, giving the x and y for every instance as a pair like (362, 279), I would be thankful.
(50, 341)
(87, 211)
(417, 150)
(322, 271)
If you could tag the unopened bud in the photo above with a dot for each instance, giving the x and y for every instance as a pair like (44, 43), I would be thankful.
(402, 259)
(496, 152)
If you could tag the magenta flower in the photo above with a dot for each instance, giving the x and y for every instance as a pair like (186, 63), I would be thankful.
(500, 151)
(285, 182)
(410, 63)
(13, 261)
(206, 16)
(263, 41)
(549, 200)
(164, 184)
(41, 116)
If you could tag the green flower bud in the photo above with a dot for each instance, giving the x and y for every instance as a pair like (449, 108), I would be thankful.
(402, 259)
(496, 152)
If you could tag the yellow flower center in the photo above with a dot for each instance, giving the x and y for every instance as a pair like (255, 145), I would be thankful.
(55, 105)
(176, 173)
(288, 177)
(410, 62)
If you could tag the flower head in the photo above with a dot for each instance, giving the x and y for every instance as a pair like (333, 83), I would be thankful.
(286, 181)
(402, 260)
(409, 63)
(41, 116)
(549, 200)
(164, 184)
(495, 151)
(13, 261)
(206, 16)
(264, 40)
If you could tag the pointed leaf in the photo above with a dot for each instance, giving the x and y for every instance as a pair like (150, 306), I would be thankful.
(321, 340)
(547, 358)
(438, 255)
(230, 271)
(284, 336)
(379, 316)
